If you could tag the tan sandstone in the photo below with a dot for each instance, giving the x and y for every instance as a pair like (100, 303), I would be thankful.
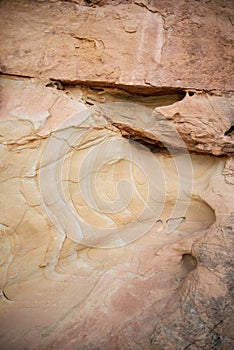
(116, 175)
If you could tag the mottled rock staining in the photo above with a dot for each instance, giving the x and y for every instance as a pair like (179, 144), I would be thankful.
(116, 175)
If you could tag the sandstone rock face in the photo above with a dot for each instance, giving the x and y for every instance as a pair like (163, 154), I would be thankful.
(116, 175)
(185, 44)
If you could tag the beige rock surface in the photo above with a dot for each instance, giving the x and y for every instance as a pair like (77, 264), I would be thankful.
(59, 293)
(116, 219)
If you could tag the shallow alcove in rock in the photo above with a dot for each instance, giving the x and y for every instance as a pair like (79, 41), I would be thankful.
(189, 262)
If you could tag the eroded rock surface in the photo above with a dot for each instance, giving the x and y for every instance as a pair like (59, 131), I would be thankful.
(116, 192)
(143, 44)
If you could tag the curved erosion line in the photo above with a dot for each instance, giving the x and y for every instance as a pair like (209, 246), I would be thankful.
(172, 151)
(70, 156)
(59, 173)
(60, 214)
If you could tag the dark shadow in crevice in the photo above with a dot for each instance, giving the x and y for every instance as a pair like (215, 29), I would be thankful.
(55, 84)
(3, 295)
(139, 90)
(190, 93)
(229, 131)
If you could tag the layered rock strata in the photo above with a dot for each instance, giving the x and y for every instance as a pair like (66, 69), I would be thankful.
(116, 175)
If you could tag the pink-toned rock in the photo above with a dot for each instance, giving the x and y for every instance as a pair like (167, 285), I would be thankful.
(142, 45)
(107, 243)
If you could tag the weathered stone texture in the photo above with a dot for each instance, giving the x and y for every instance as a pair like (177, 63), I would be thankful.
(116, 175)
(185, 44)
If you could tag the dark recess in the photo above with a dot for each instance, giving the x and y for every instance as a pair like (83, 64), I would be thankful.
(230, 130)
